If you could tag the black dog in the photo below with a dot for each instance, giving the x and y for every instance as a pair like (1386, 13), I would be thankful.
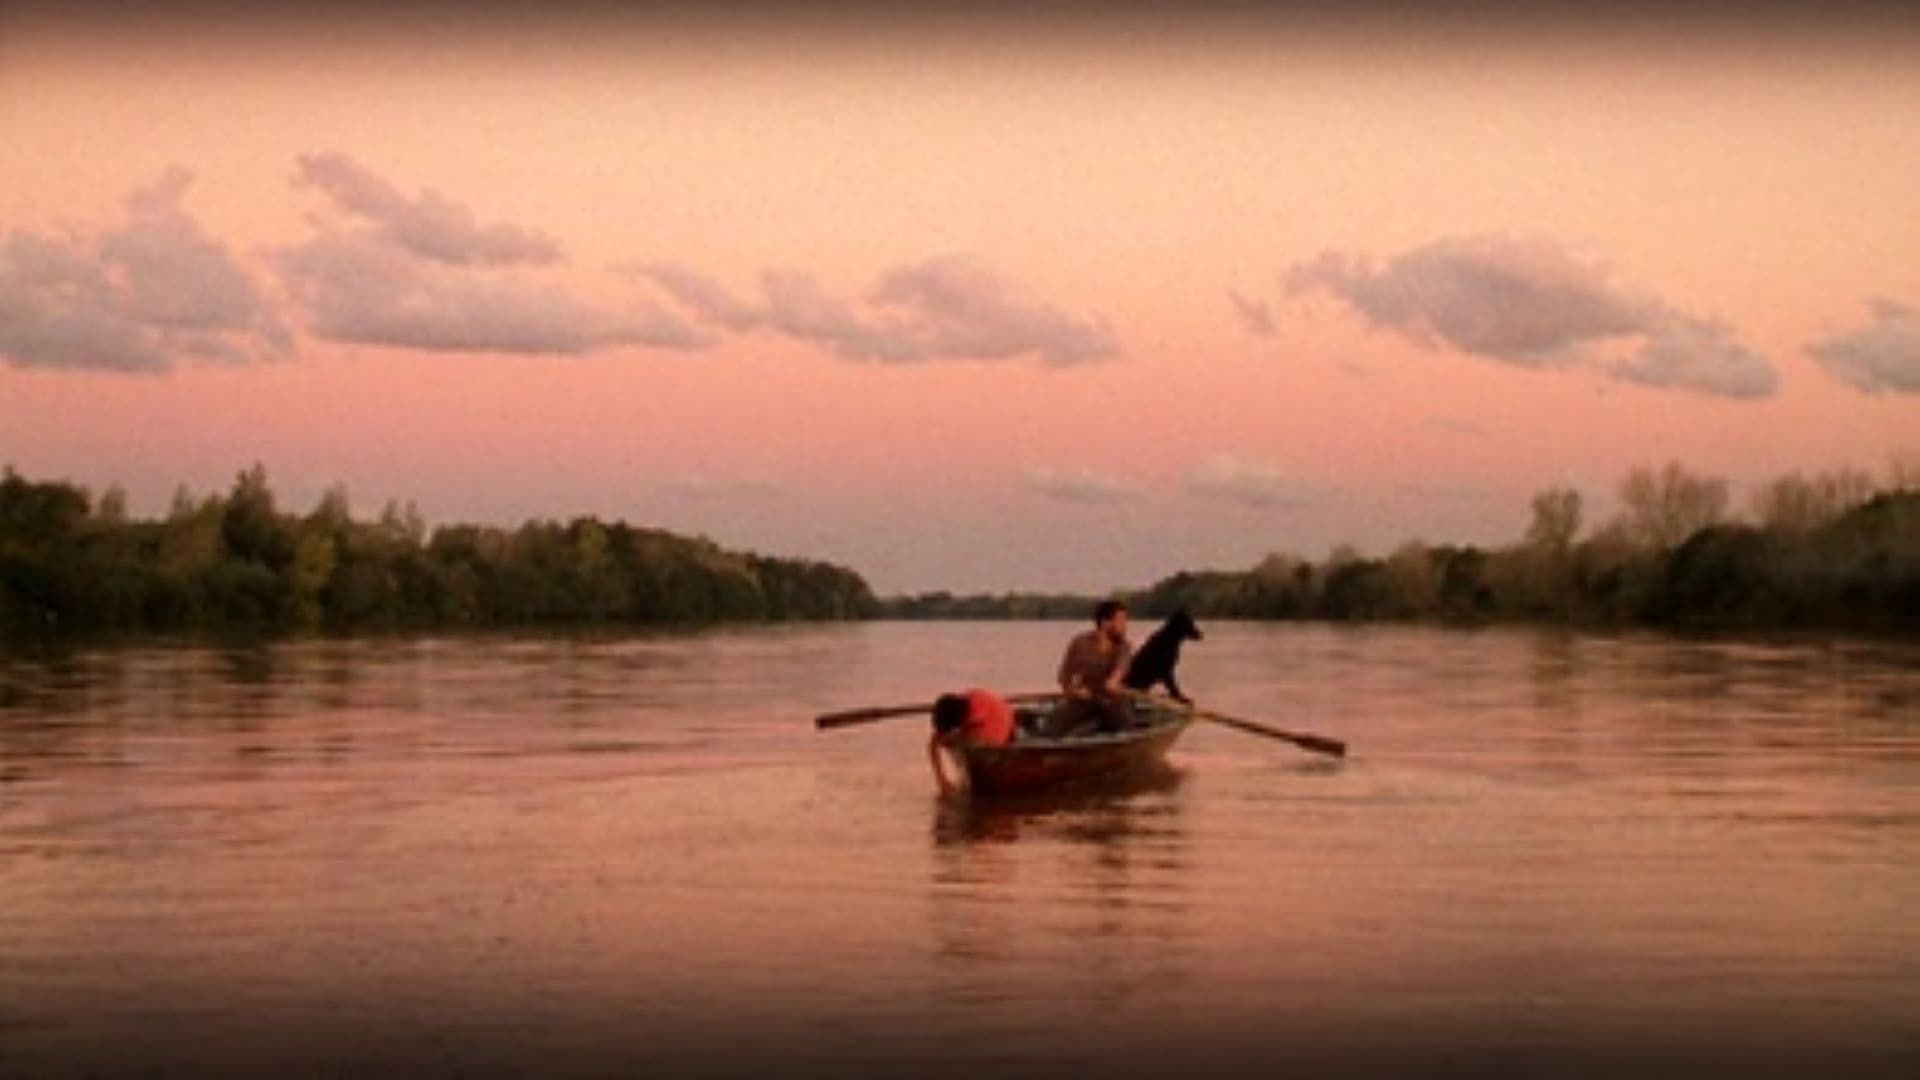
(1160, 654)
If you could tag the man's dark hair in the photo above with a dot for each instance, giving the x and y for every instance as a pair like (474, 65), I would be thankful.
(1106, 611)
(949, 713)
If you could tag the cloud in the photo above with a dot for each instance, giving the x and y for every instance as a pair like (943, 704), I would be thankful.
(1231, 478)
(944, 308)
(955, 307)
(709, 299)
(1881, 357)
(1256, 317)
(424, 276)
(799, 306)
(1534, 303)
(428, 225)
(1695, 354)
(140, 297)
(1081, 486)
(359, 290)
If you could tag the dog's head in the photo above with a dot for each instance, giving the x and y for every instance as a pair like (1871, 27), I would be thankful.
(1181, 625)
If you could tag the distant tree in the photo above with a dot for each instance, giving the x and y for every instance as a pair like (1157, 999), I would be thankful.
(40, 513)
(1868, 563)
(1556, 519)
(110, 509)
(1282, 587)
(1465, 585)
(402, 523)
(1722, 575)
(1825, 551)
(1415, 578)
(1358, 589)
(334, 511)
(1796, 503)
(1664, 508)
(251, 528)
(1612, 574)
(43, 575)
(315, 554)
(1903, 472)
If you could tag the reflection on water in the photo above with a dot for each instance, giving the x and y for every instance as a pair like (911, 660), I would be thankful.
(1124, 808)
(1548, 851)
(1100, 921)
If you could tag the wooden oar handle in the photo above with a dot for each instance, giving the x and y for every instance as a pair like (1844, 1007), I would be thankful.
(850, 717)
(1319, 744)
(861, 716)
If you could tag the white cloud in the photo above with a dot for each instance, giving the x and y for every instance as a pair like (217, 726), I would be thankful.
(359, 290)
(1250, 482)
(1694, 354)
(1881, 357)
(428, 225)
(140, 297)
(709, 299)
(945, 308)
(1081, 486)
(956, 307)
(1534, 303)
(424, 275)
(799, 306)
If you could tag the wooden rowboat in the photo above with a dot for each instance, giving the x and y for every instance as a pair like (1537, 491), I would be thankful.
(1033, 762)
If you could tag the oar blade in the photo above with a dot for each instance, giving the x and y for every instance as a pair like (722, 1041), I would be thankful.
(1320, 744)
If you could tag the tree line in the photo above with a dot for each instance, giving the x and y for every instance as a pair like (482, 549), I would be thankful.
(71, 562)
(1834, 550)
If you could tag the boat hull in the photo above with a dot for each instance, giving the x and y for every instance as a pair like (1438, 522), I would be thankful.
(1033, 763)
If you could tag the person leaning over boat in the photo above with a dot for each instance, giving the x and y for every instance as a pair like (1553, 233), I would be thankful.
(973, 718)
(1091, 672)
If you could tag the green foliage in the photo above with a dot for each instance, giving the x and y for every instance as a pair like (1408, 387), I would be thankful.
(1838, 559)
(238, 563)
(1013, 605)
(1823, 553)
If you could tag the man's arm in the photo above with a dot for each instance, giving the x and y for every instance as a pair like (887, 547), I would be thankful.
(1116, 685)
(1069, 674)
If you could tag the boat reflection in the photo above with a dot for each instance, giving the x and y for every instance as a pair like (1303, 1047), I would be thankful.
(1087, 886)
(1108, 812)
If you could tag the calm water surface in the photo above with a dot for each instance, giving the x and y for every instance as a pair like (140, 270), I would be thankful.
(1553, 852)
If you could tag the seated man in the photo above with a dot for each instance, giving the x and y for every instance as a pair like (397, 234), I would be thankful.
(1091, 672)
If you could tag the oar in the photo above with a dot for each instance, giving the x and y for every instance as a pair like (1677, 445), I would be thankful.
(861, 716)
(1319, 744)
(882, 712)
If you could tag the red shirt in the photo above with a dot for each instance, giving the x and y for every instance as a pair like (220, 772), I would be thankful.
(989, 719)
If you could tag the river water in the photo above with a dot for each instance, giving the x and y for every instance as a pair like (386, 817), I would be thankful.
(1547, 852)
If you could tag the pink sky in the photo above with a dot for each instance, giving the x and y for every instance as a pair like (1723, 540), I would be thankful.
(966, 302)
